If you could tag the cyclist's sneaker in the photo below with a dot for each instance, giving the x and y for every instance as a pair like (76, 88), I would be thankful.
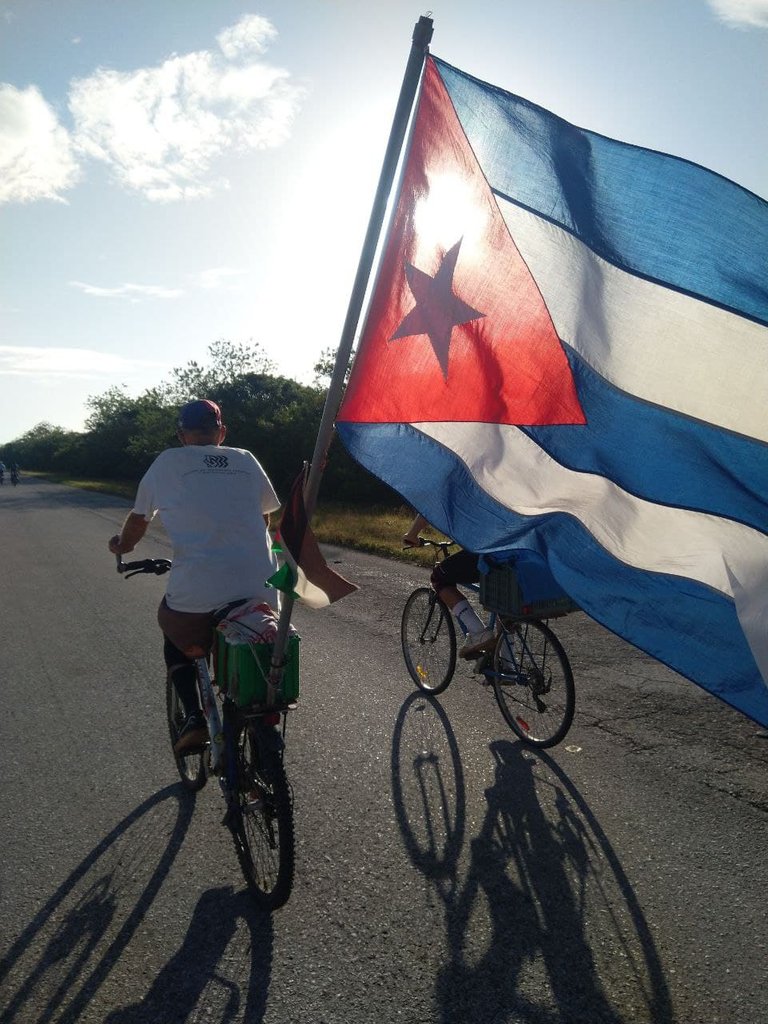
(193, 736)
(476, 643)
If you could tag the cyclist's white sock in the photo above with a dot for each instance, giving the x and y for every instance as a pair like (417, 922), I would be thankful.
(467, 618)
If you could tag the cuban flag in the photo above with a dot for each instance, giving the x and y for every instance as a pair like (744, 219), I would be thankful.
(566, 350)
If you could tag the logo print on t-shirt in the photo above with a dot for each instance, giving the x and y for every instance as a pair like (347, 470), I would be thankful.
(216, 461)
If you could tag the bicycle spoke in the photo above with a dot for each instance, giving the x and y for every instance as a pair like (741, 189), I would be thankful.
(261, 818)
(191, 767)
(428, 640)
(533, 683)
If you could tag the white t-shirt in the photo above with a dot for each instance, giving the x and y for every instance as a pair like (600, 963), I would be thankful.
(211, 502)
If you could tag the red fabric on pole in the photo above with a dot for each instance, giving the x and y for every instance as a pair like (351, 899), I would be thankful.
(457, 329)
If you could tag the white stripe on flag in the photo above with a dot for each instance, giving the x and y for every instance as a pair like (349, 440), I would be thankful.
(720, 553)
(648, 340)
(312, 595)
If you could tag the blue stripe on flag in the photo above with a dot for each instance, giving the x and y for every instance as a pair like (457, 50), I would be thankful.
(698, 232)
(688, 626)
(659, 455)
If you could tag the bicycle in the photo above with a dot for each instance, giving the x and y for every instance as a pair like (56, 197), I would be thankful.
(528, 668)
(245, 751)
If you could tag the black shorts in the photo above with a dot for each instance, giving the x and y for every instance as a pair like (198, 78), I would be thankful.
(460, 568)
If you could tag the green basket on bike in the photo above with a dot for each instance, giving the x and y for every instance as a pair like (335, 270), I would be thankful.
(242, 669)
(524, 588)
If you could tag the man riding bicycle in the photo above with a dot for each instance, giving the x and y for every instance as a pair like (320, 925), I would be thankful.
(458, 568)
(214, 503)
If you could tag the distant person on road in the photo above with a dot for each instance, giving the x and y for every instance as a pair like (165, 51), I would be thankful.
(2, 472)
(214, 503)
(458, 568)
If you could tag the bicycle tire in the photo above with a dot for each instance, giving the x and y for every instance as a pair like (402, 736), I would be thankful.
(260, 816)
(191, 768)
(533, 683)
(428, 638)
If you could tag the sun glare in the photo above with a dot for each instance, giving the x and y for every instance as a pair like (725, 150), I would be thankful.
(447, 213)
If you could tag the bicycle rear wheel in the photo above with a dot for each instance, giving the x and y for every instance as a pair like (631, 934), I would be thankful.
(533, 683)
(428, 637)
(261, 815)
(191, 768)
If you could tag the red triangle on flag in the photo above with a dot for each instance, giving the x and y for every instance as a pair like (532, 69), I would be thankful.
(457, 329)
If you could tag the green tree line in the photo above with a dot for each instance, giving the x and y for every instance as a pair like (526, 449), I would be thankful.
(274, 417)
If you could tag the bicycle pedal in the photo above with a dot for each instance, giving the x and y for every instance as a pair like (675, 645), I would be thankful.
(481, 665)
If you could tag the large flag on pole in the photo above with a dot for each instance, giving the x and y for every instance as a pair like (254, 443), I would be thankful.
(566, 350)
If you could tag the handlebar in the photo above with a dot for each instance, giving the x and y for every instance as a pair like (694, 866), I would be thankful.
(444, 545)
(158, 566)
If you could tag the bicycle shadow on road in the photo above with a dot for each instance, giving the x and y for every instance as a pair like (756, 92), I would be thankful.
(192, 981)
(541, 920)
(83, 953)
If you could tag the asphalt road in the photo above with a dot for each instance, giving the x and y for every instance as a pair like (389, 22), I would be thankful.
(444, 873)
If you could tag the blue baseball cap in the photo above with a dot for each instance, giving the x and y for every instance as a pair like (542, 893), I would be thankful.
(202, 414)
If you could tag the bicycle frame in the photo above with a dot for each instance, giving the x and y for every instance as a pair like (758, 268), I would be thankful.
(216, 728)
(492, 622)
(523, 661)
(212, 717)
(246, 753)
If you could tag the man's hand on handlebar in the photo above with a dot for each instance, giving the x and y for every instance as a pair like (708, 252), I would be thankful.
(158, 566)
(134, 528)
(413, 542)
(117, 548)
(411, 538)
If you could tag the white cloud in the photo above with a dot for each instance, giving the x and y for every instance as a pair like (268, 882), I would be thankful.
(36, 158)
(742, 13)
(216, 277)
(129, 291)
(160, 129)
(45, 363)
(252, 34)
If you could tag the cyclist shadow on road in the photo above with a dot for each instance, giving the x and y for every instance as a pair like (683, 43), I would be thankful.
(84, 949)
(537, 903)
(192, 981)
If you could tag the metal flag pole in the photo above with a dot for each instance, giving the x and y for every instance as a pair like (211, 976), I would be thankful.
(422, 36)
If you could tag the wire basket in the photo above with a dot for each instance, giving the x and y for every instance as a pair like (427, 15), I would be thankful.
(500, 591)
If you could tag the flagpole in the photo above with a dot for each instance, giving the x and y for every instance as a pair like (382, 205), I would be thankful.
(422, 35)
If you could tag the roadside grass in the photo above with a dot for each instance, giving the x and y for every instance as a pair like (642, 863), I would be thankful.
(376, 530)
(117, 488)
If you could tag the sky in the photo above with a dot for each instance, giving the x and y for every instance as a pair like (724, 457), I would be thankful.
(175, 172)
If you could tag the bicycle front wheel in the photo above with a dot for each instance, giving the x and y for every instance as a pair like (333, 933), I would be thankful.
(261, 816)
(533, 683)
(428, 637)
(191, 768)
